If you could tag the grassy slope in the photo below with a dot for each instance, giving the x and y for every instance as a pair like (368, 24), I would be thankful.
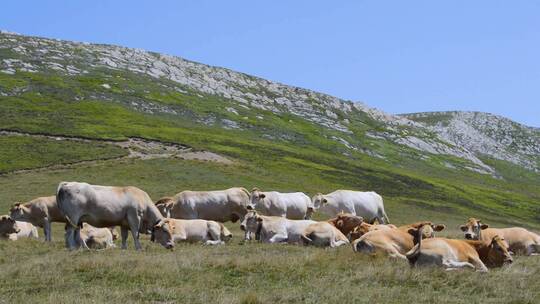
(23, 152)
(235, 272)
(413, 189)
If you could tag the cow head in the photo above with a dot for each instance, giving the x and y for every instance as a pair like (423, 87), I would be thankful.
(472, 229)
(163, 233)
(360, 230)
(255, 198)
(428, 230)
(17, 211)
(346, 222)
(318, 201)
(8, 225)
(498, 253)
(252, 222)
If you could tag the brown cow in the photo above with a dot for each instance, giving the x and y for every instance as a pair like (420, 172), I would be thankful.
(519, 240)
(456, 254)
(394, 242)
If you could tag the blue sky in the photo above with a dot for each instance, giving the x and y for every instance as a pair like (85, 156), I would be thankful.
(398, 56)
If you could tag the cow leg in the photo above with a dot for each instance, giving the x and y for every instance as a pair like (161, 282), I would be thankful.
(47, 229)
(214, 232)
(70, 238)
(335, 243)
(455, 265)
(212, 242)
(124, 235)
(278, 238)
(478, 265)
(134, 227)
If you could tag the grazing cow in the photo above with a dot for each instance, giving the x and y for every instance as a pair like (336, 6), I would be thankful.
(40, 212)
(295, 206)
(221, 206)
(368, 205)
(13, 230)
(364, 228)
(456, 254)
(273, 229)
(103, 206)
(394, 242)
(169, 231)
(323, 234)
(519, 240)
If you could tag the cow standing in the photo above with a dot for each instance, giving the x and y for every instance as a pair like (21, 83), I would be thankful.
(103, 206)
(368, 205)
(221, 205)
(40, 212)
(296, 206)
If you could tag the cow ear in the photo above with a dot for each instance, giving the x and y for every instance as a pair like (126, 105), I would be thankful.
(412, 231)
(339, 223)
(262, 195)
(438, 227)
(484, 226)
(324, 201)
(259, 219)
(463, 228)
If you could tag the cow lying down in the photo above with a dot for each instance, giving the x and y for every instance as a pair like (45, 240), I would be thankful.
(273, 229)
(13, 230)
(170, 231)
(455, 254)
(333, 232)
(395, 242)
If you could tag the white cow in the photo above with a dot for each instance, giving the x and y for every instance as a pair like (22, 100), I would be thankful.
(14, 230)
(170, 231)
(368, 205)
(274, 229)
(220, 205)
(295, 205)
(103, 206)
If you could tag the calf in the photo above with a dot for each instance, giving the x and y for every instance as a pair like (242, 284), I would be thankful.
(324, 234)
(519, 240)
(13, 230)
(394, 242)
(455, 254)
(97, 238)
(40, 212)
(169, 231)
(273, 229)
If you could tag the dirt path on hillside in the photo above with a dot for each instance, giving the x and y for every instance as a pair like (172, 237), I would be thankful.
(137, 148)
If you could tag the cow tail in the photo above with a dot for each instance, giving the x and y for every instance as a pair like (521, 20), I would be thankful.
(306, 240)
(68, 220)
(414, 253)
(386, 219)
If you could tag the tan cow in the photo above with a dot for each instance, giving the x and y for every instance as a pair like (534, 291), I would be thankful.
(40, 212)
(324, 234)
(97, 238)
(221, 205)
(170, 231)
(394, 242)
(364, 228)
(456, 254)
(103, 206)
(519, 240)
(13, 230)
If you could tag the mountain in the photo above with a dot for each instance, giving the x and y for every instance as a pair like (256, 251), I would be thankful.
(105, 92)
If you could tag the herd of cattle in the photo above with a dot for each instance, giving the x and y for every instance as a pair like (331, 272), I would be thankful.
(91, 212)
